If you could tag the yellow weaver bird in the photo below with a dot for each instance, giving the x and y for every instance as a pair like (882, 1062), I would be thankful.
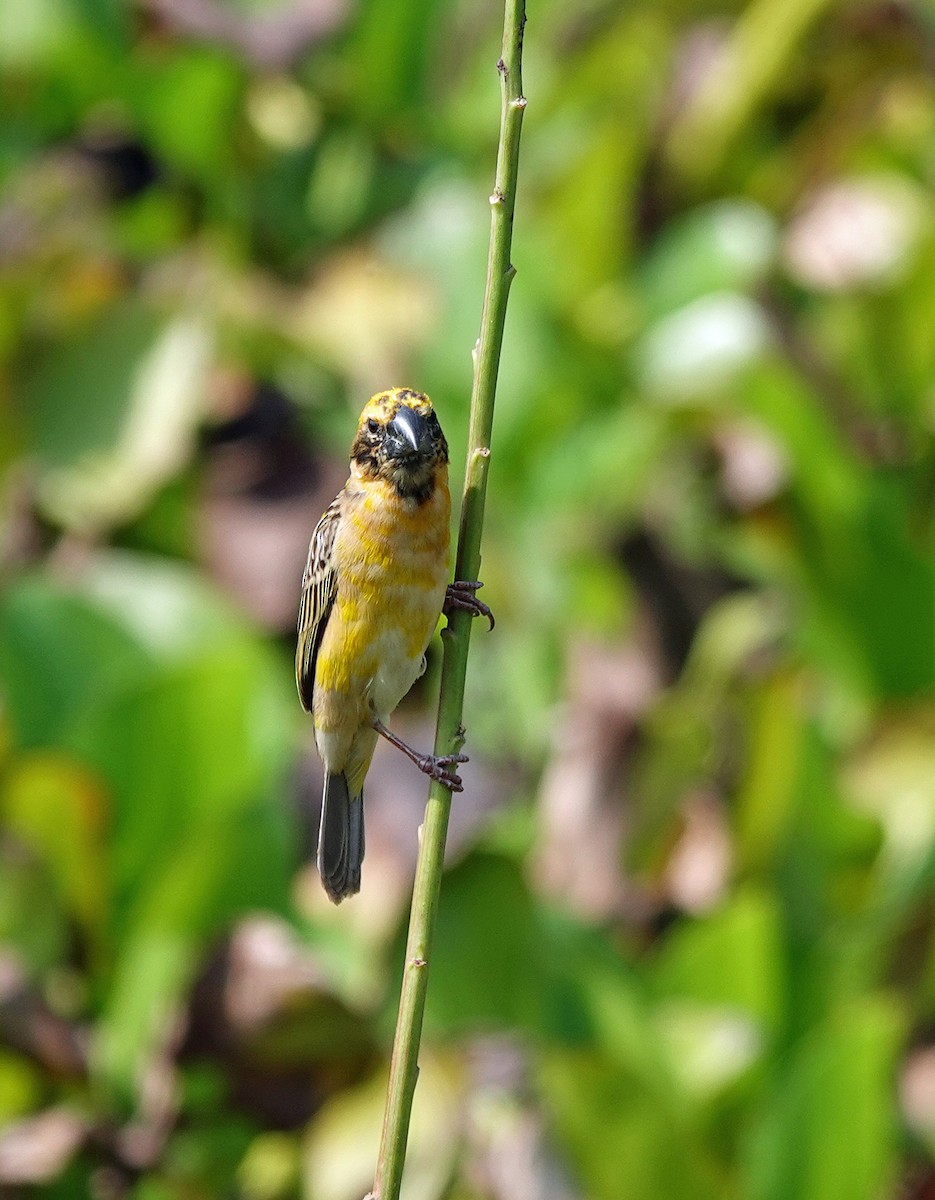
(375, 584)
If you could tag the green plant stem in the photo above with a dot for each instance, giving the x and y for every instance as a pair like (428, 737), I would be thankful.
(449, 735)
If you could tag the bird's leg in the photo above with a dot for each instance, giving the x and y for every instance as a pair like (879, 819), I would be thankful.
(436, 766)
(461, 595)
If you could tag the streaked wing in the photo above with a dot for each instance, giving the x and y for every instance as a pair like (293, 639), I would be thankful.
(318, 589)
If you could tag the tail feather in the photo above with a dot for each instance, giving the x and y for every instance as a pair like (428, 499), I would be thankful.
(340, 838)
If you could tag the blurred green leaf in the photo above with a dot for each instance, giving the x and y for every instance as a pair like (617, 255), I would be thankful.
(20, 1087)
(874, 576)
(188, 105)
(193, 833)
(270, 1168)
(31, 30)
(32, 920)
(834, 1092)
(60, 811)
(730, 959)
(618, 1136)
(493, 979)
(768, 791)
(58, 654)
(388, 54)
(95, 371)
(722, 247)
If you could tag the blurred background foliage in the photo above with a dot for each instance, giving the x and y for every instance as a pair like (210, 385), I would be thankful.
(686, 942)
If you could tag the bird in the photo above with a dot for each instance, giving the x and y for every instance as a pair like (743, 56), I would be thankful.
(374, 586)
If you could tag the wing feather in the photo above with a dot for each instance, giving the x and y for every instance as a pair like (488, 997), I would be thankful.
(319, 585)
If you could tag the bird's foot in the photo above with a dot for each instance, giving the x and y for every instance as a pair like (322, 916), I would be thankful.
(436, 766)
(460, 595)
(440, 767)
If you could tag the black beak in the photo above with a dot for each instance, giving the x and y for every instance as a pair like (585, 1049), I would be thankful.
(408, 434)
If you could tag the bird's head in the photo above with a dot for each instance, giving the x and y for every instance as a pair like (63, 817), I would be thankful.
(399, 440)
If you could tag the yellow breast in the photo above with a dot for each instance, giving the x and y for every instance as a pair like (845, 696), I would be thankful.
(391, 558)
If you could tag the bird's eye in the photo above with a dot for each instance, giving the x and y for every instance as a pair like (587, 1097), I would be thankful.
(373, 425)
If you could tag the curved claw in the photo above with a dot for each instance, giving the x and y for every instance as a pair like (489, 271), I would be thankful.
(460, 595)
(439, 767)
